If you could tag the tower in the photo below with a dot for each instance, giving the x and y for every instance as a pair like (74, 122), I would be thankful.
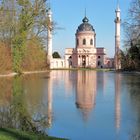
(85, 49)
(117, 39)
(49, 38)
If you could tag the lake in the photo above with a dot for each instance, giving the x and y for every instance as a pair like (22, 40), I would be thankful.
(78, 105)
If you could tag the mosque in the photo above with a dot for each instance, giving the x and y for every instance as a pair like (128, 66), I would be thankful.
(85, 54)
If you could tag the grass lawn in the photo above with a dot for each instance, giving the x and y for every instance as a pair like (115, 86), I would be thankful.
(12, 134)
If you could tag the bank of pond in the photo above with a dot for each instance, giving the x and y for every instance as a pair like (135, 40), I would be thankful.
(13, 134)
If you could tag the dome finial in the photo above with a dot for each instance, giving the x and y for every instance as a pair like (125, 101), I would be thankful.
(85, 12)
(85, 19)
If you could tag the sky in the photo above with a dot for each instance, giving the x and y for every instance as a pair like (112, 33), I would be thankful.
(68, 15)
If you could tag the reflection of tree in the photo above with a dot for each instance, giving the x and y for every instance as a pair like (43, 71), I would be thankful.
(21, 117)
(38, 98)
(132, 83)
(5, 98)
(5, 90)
(16, 114)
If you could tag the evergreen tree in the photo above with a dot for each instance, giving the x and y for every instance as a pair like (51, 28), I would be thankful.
(56, 55)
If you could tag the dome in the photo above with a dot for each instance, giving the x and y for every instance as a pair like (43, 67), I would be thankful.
(85, 26)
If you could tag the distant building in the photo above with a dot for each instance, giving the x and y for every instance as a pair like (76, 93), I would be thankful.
(85, 54)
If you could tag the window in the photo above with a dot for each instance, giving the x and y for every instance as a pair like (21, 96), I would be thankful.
(91, 41)
(62, 63)
(84, 41)
(99, 63)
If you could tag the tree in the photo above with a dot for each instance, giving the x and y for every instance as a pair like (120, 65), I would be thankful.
(56, 55)
(22, 22)
(132, 23)
(132, 36)
(5, 58)
(35, 57)
(7, 21)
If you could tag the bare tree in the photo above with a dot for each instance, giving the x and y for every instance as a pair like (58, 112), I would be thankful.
(132, 24)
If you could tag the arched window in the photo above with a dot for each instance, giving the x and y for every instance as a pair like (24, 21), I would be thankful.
(84, 41)
(62, 63)
(91, 41)
(77, 42)
(99, 63)
(56, 64)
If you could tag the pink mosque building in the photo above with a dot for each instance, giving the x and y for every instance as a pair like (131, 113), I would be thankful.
(85, 54)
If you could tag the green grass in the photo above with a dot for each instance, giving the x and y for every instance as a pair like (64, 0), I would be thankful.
(12, 134)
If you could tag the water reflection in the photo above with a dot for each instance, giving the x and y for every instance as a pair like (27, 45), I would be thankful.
(5, 99)
(117, 100)
(85, 91)
(131, 82)
(53, 100)
(49, 101)
(17, 107)
(15, 114)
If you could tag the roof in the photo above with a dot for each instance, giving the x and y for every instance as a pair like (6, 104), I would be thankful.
(85, 26)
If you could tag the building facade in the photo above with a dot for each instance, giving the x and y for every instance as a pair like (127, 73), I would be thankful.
(85, 54)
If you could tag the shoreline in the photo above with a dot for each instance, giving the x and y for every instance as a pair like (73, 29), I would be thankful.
(12, 74)
(8, 75)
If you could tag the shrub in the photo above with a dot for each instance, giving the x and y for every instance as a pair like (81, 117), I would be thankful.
(5, 58)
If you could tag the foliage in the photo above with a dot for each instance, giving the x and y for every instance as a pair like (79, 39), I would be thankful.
(21, 22)
(56, 55)
(131, 58)
(5, 58)
(132, 24)
(35, 57)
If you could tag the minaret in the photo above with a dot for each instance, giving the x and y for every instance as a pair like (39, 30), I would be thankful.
(117, 39)
(49, 38)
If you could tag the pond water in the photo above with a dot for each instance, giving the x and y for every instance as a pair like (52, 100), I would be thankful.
(78, 105)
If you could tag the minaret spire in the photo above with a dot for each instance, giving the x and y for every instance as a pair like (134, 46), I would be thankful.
(49, 5)
(49, 37)
(117, 38)
(118, 7)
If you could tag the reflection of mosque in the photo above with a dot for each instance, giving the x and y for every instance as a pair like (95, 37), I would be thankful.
(86, 91)
(86, 83)
(85, 97)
